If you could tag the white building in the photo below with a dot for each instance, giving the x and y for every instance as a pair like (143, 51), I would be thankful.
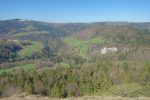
(106, 50)
(14, 40)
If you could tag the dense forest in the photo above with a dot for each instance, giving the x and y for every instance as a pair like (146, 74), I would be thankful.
(74, 59)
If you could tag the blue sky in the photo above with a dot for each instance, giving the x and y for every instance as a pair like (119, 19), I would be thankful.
(76, 10)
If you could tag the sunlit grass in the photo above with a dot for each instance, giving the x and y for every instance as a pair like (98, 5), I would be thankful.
(25, 67)
(82, 45)
(22, 34)
(29, 50)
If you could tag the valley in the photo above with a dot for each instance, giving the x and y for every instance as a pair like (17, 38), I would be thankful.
(66, 60)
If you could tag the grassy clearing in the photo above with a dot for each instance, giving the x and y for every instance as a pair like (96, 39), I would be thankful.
(65, 65)
(96, 40)
(26, 67)
(22, 34)
(78, 44)
(28, 28)
(29, 50)
(81, 45)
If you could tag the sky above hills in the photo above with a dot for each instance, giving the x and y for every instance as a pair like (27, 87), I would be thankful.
(76, 10)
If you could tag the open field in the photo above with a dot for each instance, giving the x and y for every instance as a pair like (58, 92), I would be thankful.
(26, 67)
(22, 34)
(82, 45)
(29, 50)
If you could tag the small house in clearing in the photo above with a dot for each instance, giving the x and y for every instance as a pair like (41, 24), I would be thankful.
(105, 50)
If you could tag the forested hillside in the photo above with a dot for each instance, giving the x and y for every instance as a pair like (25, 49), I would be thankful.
(74, 59)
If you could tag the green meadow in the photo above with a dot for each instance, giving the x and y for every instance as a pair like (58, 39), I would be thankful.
(25, 67)
(22, 34)
(29, 50)
(82, 45)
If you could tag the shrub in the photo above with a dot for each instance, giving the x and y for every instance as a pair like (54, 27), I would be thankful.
(127, 90)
